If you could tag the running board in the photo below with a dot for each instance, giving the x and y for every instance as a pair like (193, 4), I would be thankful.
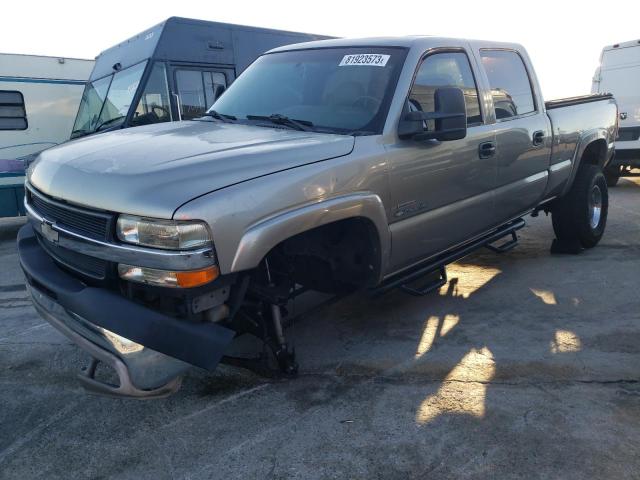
(403, 279)
(505, 247)
(429, 287)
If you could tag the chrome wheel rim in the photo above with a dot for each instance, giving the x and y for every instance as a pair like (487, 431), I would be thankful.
(595, 207)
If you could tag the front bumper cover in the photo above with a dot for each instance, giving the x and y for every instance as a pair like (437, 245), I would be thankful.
(147, 349)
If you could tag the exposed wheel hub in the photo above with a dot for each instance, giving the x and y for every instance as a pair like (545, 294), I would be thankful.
(595, 206)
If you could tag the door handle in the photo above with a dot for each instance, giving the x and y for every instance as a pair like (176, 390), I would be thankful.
(486, 149)
(538, 137)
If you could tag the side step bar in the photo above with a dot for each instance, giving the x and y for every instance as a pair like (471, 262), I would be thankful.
(439, 263)
(505, 247)
(429, 287)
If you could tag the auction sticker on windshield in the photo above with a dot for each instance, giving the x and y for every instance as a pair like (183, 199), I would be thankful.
(365, 59)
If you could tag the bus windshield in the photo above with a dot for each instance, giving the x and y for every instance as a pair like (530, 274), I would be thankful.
(106, 101)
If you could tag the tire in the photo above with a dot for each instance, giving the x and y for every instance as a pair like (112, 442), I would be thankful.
(612, 175)
(581, 215)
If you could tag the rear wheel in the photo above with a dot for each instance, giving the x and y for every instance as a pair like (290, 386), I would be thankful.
(581, 216)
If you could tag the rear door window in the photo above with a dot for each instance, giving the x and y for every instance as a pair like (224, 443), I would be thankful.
(198, 89)
(13, 115)
(447, 69)
(509, 81)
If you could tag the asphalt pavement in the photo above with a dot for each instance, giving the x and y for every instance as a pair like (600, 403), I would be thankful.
(525, 365)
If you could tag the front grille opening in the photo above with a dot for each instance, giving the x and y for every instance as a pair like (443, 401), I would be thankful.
(89, 223)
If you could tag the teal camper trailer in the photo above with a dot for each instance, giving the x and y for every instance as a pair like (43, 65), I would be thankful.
(39, 98)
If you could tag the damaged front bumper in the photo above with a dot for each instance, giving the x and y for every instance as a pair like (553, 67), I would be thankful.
(148, 350)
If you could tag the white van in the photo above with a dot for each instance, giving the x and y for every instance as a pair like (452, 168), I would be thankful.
(619, 74)
(39, 98)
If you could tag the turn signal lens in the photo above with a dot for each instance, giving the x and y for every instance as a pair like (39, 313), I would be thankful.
(197, 278)
(164, 278)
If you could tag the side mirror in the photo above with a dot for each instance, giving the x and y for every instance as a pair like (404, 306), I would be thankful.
(450, 118)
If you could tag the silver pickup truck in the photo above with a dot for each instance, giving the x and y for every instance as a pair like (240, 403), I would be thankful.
(328, 166)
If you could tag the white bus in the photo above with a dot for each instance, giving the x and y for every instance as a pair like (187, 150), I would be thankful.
(619, 74)
(39, 98)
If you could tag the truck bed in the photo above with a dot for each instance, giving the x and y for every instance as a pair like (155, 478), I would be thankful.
(569, 101)
(573, 120)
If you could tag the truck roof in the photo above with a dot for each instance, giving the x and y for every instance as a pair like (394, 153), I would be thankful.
(420, 41)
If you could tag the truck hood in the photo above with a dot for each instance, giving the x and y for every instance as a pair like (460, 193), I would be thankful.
(152, 170)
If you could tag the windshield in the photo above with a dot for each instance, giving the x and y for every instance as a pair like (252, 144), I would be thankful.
(105, 102)
(343, 90)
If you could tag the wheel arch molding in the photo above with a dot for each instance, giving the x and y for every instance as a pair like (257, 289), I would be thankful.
(261, 237)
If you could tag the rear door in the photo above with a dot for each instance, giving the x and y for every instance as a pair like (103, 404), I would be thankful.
(442, 191)
(195, 88)
(523, 132)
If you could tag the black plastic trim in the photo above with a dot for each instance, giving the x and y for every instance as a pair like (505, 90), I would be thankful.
(200, 344)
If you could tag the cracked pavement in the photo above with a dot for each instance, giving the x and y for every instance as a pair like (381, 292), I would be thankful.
(525, 365)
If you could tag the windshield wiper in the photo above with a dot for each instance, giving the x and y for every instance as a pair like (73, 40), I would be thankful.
(79, 133)
(107, 122)
(360, 133)
(220, 116)
(303, 125)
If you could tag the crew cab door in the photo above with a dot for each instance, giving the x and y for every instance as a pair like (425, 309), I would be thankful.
(523, 132)
(442, 191)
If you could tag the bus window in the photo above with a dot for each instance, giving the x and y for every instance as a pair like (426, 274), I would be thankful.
(154, 106)
(198, 90)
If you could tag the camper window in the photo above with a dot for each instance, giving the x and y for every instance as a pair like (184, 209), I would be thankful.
(13, 115)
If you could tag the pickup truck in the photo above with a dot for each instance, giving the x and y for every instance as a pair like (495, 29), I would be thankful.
(328, 166)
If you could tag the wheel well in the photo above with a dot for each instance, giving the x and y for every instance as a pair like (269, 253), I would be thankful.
(595, 153)
(334, 258)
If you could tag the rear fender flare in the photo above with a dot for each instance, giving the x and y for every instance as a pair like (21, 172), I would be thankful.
(587, 139)
(260, 238)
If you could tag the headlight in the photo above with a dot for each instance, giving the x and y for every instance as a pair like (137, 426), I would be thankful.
(166, 234)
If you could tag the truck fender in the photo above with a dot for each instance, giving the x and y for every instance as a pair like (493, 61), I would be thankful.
(586, 139)
(260, 238)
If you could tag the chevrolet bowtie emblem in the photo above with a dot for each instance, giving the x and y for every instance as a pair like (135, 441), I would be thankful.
(48, 232)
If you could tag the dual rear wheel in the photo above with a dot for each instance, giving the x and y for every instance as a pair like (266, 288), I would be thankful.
(581, 216)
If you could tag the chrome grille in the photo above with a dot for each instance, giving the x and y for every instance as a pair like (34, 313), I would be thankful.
(85, 222)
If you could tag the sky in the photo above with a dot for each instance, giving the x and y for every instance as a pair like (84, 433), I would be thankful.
(563, 38)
